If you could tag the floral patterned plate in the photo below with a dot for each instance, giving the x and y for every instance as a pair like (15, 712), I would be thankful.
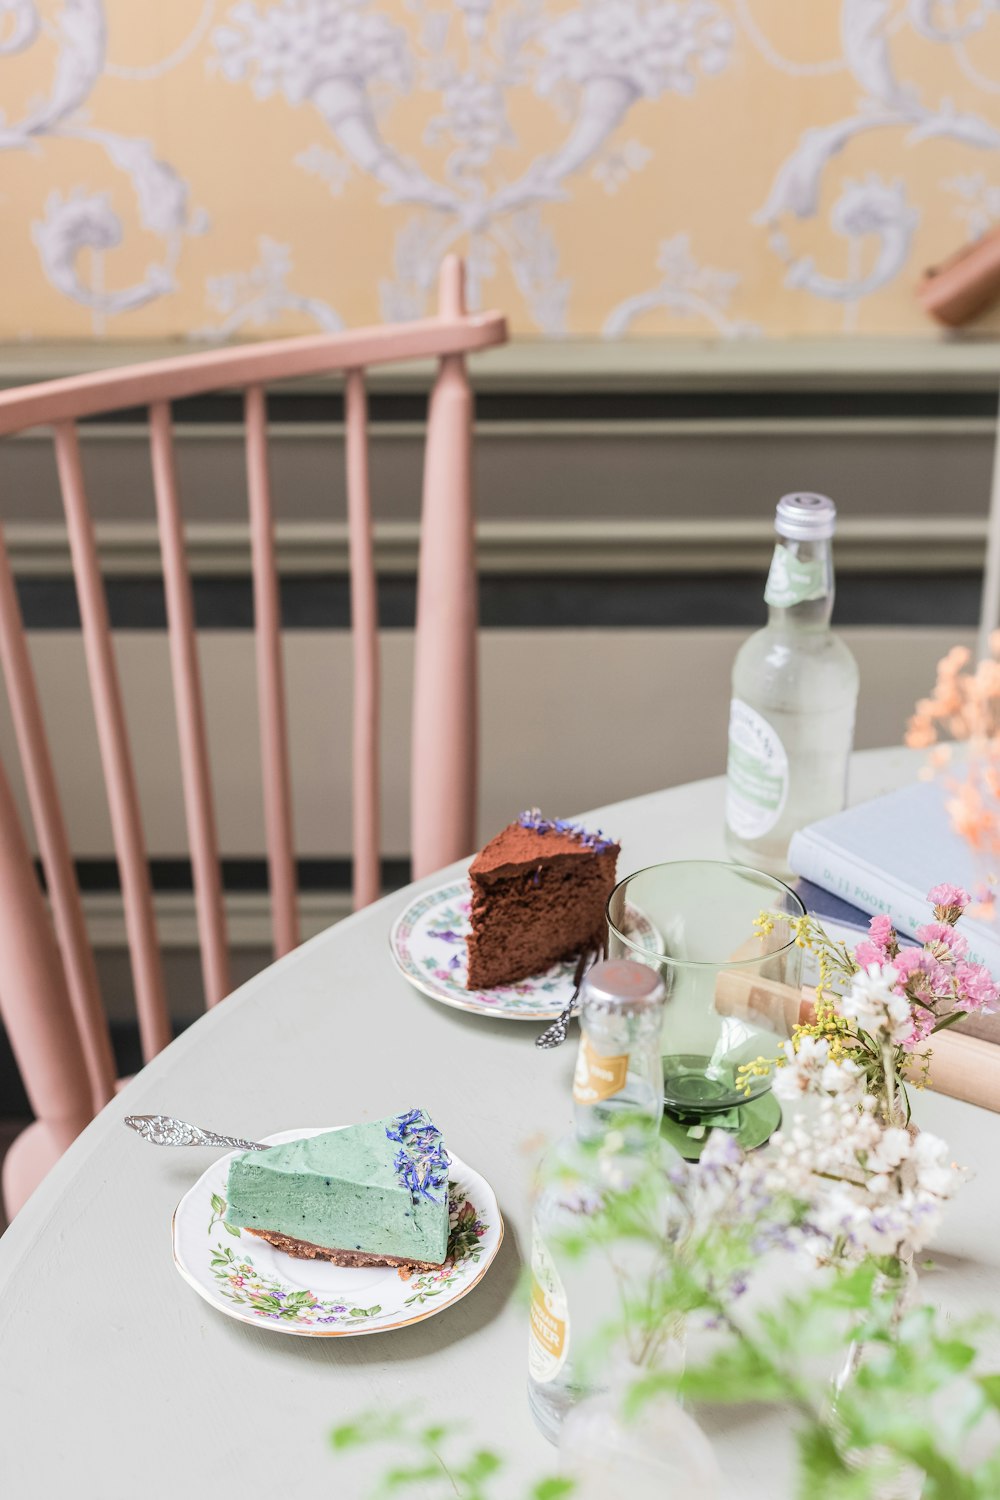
(428, 945)
(249, 1279)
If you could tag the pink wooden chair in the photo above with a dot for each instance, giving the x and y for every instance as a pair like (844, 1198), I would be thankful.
(49, 998)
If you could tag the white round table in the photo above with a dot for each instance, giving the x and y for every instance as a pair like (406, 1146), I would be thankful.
(116, 1380)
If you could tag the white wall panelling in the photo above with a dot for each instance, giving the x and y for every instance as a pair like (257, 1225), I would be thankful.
(571, 718)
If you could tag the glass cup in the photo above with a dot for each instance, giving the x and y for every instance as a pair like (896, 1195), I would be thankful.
(731, 993)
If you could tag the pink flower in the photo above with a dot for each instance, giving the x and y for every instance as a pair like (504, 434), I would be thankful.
(942, 935)
(911, 961)
(880, 930)
(923, 1025)
(921, 974)
(879, 946)
(976, 988)
(868, 953)
(948, 895)
(948, 901)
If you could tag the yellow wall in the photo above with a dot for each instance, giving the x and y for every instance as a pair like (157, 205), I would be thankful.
(628, 167)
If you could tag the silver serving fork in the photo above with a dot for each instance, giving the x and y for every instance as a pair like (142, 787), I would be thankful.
(165, 1130)
(555, 1035)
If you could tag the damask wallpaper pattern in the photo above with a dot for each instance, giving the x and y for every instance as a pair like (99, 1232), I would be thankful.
(621, 168)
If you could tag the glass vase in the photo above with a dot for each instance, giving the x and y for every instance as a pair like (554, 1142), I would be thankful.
(908, 1484)
(905, 1282)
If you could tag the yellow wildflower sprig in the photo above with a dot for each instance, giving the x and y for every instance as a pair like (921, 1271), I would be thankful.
(836, 968)
(830, 1026)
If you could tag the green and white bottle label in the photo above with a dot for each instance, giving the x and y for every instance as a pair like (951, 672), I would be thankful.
(756, 773)
(548, 1319)
(794, 581)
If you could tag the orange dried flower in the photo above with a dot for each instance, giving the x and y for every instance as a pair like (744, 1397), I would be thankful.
(964, 706)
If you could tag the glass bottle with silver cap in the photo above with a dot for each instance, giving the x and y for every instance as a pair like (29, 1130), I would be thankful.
(617, 1109)
(795, 691)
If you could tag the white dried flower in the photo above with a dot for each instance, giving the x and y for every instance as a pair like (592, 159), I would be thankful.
(876, 1006)
(844, 1077)
(803, 1065)
(935, 1173)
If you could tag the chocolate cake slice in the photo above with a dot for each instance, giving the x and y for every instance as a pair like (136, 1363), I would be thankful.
(539, 894)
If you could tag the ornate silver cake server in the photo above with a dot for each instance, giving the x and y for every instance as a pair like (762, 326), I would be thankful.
(165, 1130)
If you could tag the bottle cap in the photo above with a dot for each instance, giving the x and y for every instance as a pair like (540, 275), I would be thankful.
(622, 984)
(804, 517)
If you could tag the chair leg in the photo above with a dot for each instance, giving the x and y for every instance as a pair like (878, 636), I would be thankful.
(33, 1153)
(36, 1012)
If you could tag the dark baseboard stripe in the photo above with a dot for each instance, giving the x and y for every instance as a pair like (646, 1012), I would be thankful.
(786, 404)
(100, 876)
(524, 602)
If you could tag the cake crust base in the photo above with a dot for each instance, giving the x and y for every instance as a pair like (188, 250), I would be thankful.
(305, 1250)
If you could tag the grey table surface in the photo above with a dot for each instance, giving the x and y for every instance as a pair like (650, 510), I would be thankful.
(116, 1380)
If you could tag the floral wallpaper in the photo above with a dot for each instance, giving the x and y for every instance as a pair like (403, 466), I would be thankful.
(615, 168)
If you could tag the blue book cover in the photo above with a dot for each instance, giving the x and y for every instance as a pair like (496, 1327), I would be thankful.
(884, 856)
(839, 920)
(829, 908)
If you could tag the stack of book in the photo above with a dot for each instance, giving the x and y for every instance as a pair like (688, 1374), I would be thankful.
(881, 858)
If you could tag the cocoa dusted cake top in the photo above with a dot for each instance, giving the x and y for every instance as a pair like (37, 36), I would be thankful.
(531, 837)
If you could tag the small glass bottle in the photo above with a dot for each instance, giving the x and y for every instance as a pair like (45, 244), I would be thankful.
(656, 1453)
(795, 691)
(618, 1104)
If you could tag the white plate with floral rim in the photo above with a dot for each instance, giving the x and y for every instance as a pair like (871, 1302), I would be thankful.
(428, 944)
(249, 1279)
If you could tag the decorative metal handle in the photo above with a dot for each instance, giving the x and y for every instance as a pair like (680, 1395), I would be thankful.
(165, 1130)
(555, 1035)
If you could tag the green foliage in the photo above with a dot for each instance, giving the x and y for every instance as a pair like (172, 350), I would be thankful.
(909, 1409)
(429, 1456)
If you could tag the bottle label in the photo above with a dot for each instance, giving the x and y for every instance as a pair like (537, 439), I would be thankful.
(548, 1318)
(756, 773)
(597, 1077)
(793, 580)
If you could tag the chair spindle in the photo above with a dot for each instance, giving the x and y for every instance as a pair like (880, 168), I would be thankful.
(123, 799)
(444, 768)
(270, 680)
(364, 632)
(189, 704)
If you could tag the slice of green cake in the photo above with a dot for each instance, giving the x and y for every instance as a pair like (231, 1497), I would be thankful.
(371, 1194)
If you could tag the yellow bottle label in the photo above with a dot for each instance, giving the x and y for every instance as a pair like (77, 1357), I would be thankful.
(597, 1077)
(548, 1318)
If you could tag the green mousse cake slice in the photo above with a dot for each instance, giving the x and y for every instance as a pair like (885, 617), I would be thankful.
(371, 1194)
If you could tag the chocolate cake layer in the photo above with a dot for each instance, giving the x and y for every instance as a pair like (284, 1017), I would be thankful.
(303, 1250)
(539, 896)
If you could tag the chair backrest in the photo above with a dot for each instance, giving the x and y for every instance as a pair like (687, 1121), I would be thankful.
(39, 1001)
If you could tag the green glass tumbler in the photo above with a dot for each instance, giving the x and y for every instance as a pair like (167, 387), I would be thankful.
(729, 989)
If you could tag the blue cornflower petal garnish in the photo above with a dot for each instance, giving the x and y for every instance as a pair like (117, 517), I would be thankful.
(597, 842)
(422, 1162)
